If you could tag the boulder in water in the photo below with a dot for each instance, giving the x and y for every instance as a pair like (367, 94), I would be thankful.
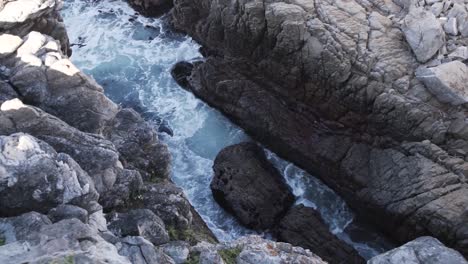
(246, 184)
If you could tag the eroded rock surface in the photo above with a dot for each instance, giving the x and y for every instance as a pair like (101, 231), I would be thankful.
(249, 186)
(332, 86)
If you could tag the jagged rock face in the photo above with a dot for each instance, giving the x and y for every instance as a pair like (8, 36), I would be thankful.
(32, 238)
(249, 186)
(424, 250)
(44, 77)
(36, 178)
(19, 17)
(331, 85)
(303, 226)
(96, 155)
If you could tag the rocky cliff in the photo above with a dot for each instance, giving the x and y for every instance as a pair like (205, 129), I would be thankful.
(368, 95)
(84, 181)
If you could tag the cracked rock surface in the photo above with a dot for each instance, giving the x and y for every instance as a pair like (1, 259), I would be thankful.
(352, 91)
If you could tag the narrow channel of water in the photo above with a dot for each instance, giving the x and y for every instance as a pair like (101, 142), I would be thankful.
(131, 57)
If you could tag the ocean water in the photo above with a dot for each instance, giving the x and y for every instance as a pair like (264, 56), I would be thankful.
(131, 57)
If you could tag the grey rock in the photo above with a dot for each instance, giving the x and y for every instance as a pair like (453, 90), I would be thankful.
(67, 211)
(46, 78)
(303, 226)
(246, 184)
(460, 53)
(19, 17)
(139, 222)
(140, 251)
(423, 250)
(451, 26)
(139, 146)
(33, 177)
(95, 154)
(6, 92)
(448, 82)
(68, 240)
(254, 249)
(315, 83)
(178, 251)
(423, 33)
(168, 202)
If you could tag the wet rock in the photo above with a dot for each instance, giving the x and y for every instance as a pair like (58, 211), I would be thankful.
(66, 241)
(67, 211)
(139, 222)
(448, 82)
(423, 250)
(181, 71)
(249, 186)
(152, 7)
(140, 251)
(36, 178)
(303, 226)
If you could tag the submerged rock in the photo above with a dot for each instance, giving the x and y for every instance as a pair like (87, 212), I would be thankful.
(246, 184)
(303, 226)
(423, 250)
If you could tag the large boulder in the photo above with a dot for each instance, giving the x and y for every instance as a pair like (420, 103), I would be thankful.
(304, 227)
(34, 177)
(246, 184)
(423, 250)
(448, 82)
(423, 33)
(331, 86)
